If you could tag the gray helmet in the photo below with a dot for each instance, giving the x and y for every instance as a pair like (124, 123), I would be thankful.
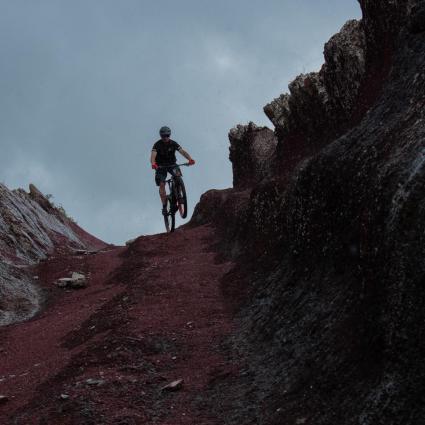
(165, 131)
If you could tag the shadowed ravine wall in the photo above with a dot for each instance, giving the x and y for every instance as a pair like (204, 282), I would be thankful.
(330, 241)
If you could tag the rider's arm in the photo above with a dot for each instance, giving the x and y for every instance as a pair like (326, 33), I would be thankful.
(185, 154)
(153, 157)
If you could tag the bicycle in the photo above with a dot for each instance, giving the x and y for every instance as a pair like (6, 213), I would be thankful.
(176, 197)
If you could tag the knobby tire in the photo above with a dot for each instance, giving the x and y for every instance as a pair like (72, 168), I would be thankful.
(169, 218)
(181, 197)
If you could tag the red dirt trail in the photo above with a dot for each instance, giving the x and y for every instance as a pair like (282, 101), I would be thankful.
(152, 313)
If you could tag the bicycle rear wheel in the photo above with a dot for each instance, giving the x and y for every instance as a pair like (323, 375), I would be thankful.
(169, 218)
(181, 197)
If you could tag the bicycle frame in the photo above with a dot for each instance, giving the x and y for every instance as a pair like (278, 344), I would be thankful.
(170, 194)
(170, 181)
(172, 199)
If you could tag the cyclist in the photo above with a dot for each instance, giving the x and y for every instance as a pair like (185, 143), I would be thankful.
(163, 158)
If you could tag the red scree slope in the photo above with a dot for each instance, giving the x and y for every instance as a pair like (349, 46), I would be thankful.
(151, 314)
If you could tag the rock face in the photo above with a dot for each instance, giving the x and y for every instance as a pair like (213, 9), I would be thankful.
(30, 228)
(332, 244)
(321, 104)
(252, 152)
(344, 69)
(417, 21)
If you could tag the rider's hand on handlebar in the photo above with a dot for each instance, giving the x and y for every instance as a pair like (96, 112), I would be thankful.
(191, 161)
(154, 166)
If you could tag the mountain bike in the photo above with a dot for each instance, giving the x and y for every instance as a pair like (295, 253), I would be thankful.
(176, 197)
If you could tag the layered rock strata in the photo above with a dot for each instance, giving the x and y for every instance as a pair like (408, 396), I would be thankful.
(31, 227)
(332, 243)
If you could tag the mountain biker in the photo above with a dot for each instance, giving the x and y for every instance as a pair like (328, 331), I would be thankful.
(163, 158)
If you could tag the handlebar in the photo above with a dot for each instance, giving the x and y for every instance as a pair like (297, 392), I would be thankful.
(186, 164)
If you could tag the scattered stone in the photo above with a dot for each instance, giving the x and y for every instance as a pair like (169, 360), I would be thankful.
(84, 252)
(79, 284)
(301, 421)
(64, 397)
(92, 381)
(81, 252)
(173, 386)
(63, 282)
(3, 399)
(76, 281)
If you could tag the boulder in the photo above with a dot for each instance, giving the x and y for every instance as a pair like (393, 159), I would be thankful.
(76, 281)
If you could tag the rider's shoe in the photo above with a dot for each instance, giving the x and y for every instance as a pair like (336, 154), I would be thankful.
(164, 210)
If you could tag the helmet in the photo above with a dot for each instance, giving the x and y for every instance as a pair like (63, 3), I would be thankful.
(165, 131)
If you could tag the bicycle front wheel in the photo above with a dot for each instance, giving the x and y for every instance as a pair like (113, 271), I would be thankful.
(169, 218)
(181, 197)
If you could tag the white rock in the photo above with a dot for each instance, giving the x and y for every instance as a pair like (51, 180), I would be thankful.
(173, 386)
(77, 280)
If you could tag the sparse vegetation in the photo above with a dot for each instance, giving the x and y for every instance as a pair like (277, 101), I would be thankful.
(59, 208)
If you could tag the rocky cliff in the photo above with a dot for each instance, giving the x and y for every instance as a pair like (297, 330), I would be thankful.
(331, 241)
(31, 227)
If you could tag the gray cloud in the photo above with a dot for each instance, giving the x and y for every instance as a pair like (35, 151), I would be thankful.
(86, 85)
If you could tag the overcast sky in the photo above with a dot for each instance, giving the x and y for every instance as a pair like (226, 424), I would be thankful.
(85, 86)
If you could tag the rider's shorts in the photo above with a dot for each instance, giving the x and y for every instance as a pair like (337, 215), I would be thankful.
(161, 174)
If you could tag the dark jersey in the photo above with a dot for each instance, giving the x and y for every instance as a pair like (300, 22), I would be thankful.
(166, 152)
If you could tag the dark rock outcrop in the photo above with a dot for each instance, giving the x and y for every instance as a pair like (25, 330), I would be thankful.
(252, 154)
(41, 200)
(417, 21)
(321, 104)
(344, 70)
(332, 244)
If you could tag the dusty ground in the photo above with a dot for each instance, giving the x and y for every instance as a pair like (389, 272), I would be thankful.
(152, 313)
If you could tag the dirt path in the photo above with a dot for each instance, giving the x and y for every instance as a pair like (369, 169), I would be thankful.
(152, 314)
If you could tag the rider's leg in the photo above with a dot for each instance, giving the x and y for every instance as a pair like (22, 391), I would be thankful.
(160, 177)
(162, 193)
